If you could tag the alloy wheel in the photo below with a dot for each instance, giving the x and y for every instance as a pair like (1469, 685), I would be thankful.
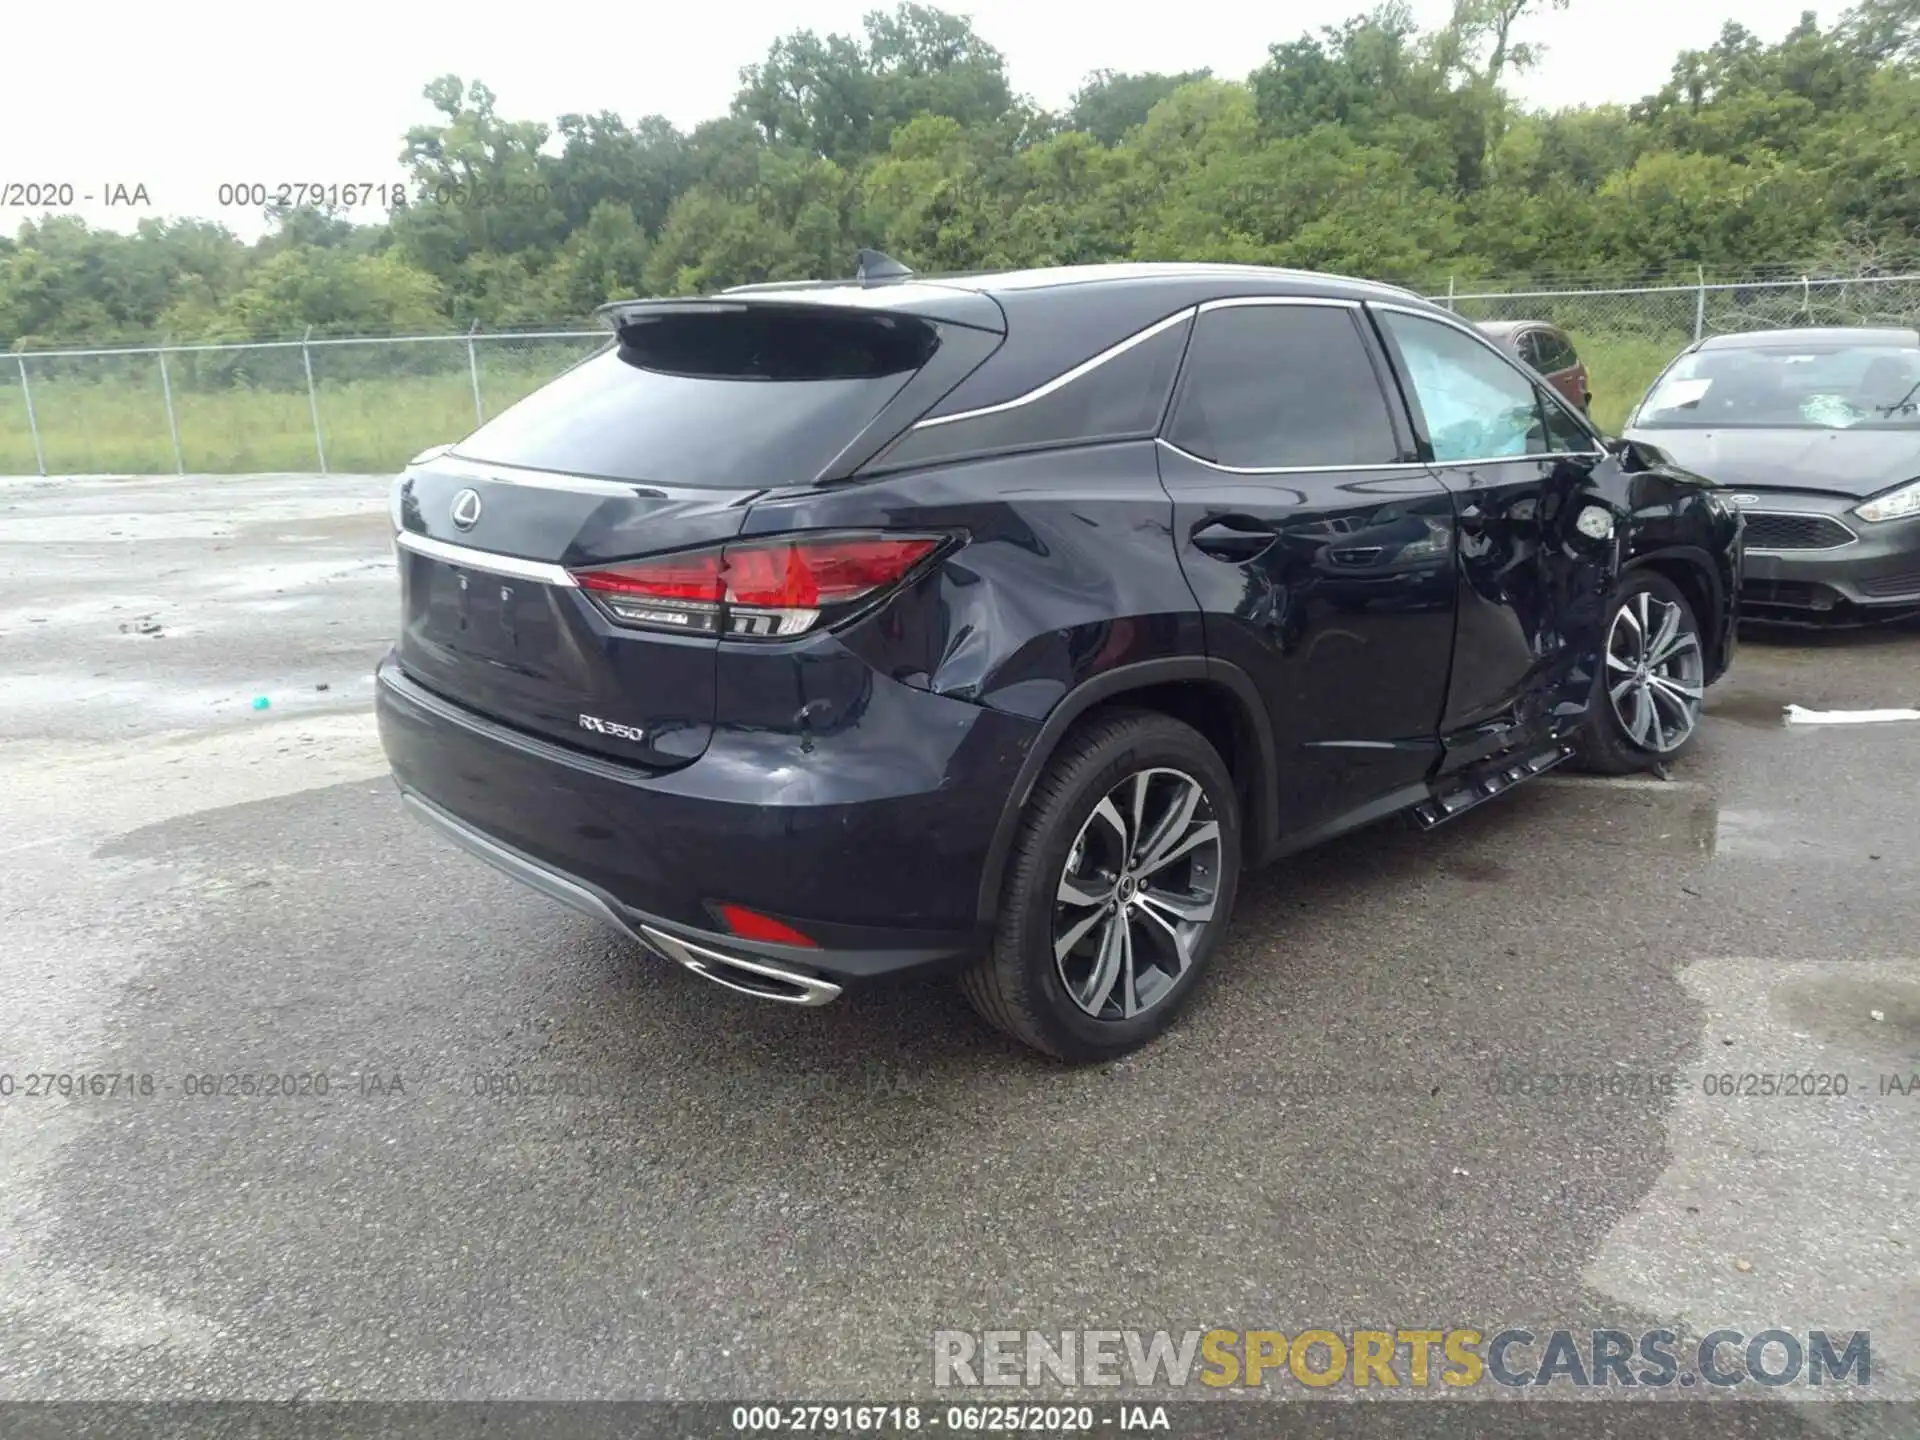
(1655, 672)
(1140, 888)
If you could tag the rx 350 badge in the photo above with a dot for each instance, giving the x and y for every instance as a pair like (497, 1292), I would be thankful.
(608, 727)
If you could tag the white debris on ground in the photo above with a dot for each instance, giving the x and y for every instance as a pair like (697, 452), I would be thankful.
(1798, 715)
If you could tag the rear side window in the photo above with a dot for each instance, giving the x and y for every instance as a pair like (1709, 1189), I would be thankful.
(1556, 352)
(1282, 386)
(1123, 397)
(722, 397)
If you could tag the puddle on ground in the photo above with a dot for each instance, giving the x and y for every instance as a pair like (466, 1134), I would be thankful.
(1754, 832)
(280, 576)
(86, 610)
(131, 703)
(1789, 1206)
(1678, 817)
(1840, 1010)
(360, 524)
(1472, 868)
(1760, 712)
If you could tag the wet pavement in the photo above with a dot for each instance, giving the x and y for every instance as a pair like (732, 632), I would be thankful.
(1471, 1078)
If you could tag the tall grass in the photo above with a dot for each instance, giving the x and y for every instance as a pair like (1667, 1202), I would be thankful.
(1620, 368)
(117, 423)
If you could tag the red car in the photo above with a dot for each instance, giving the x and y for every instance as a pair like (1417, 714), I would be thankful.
(1546, 350)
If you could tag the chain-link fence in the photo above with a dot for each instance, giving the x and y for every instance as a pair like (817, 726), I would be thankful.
(341, 405)
(367, 404)
(1627, 336)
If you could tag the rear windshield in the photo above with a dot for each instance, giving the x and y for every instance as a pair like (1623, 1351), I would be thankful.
(744, 397)
(1811, 387)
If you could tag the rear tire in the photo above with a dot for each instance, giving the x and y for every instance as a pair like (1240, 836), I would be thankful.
(1645, 709)
(1120, 882)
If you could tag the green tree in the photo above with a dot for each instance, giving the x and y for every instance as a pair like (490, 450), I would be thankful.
(842, 96)
(1371, 146)
(335, 292)
(482, 185)
(1110, 103)
(643, 169)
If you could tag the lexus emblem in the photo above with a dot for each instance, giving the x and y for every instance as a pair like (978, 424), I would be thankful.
(1743, 499)
(466, 509)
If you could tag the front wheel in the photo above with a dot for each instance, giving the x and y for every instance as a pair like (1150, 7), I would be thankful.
(1648, 696)
(1117, 890)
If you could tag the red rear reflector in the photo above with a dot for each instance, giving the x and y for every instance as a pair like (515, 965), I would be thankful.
(752, 925)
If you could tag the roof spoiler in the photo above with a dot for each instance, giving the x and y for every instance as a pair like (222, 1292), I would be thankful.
(870, 267)
(880, 285)
(616, 314)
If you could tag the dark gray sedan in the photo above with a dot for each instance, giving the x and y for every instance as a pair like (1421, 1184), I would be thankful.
(1816, 433)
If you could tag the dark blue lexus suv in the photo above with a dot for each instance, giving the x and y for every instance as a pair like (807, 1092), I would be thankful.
(999, 623)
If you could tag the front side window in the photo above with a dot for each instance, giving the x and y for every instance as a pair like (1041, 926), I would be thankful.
(1565, 435)
(1271, 387)
(1477, 406)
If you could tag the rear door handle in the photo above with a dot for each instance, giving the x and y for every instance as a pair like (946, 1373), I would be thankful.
(1236, 538)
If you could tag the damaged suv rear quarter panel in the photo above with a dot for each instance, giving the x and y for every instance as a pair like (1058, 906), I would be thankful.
(1025, 611)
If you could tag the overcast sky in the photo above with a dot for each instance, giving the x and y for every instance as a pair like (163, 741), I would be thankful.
(182, 96)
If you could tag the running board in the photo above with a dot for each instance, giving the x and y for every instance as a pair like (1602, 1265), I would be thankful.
(1459, 793)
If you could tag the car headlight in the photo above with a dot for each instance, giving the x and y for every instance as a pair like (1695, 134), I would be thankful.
(1894, 505)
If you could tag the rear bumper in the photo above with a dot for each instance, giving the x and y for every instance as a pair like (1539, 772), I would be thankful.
(768, 977)
(870, 840)
(1878, 570)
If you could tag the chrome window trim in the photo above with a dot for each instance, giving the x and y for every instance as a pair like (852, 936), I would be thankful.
(1396, 465)
(1140, 337)
(1067, 377)
(1853, 536)
(1287, 469)
(1241, 302)
(512, 566)
(1235, 302)
(1537, 381)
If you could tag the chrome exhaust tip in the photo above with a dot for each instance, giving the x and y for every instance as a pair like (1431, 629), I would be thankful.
(762, 979)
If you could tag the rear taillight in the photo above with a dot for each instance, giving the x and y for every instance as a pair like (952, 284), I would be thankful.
(761, 589)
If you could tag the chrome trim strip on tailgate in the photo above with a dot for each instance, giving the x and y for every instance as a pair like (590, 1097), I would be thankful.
(453, 467)
(543, 571)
